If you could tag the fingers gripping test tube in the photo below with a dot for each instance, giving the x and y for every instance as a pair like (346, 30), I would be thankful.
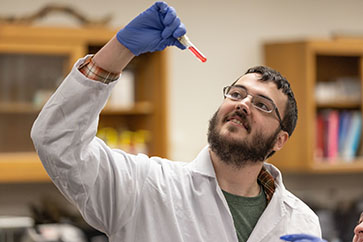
(189, 45)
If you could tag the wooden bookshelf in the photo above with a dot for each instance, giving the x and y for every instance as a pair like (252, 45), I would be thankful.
(33, 62)
(339, 166)
(305, 63)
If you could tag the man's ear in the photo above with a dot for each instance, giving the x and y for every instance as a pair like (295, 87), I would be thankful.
(281, 140)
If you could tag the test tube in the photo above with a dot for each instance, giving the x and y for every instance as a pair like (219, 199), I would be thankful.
(189, 45)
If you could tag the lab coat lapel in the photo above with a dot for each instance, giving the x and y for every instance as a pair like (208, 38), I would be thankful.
(275, 210)
(270, 218)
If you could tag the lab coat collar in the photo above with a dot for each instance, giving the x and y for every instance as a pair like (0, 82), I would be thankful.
(203, 165)
(288, 198)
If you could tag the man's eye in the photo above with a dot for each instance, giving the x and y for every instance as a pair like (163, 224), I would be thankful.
(262, 106)
(236, 95)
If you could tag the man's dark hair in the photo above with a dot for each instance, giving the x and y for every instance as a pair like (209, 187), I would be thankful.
(268, 74)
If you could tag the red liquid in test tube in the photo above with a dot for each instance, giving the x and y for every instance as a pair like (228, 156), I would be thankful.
(188, 44)
(197, 53)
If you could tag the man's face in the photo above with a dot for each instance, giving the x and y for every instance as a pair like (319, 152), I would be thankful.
(239, 132)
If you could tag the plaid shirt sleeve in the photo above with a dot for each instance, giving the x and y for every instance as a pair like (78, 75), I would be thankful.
(90, 70)
(268, 183)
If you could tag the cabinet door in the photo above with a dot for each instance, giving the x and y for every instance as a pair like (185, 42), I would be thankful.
(338, 108)
(34, 60)
(326, 77)
(29, 73)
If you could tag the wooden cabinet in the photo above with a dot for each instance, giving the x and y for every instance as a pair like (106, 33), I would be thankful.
(309, 65)
(33, 62)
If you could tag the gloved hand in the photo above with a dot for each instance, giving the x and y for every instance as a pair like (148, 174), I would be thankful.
(153, 30)
(301, 238)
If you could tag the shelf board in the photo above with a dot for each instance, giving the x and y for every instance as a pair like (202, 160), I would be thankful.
(339, 105)
(18, 107)
(338, 166)
(137, 108)
(29, 108)
(21, 167)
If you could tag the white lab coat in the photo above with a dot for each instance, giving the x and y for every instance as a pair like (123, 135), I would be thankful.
(137, 198)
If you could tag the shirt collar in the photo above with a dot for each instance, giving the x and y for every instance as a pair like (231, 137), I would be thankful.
(267, 182)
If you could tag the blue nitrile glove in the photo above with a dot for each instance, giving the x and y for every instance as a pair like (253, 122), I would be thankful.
(301, 238)
(153, 30)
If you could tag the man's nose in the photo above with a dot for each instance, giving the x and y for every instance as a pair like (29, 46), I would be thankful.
(359, 229)
(245, 104)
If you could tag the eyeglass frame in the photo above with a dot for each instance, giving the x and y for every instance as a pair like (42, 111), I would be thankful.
(226, 95)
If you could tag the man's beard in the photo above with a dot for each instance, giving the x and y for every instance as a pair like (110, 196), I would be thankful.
(239, 152)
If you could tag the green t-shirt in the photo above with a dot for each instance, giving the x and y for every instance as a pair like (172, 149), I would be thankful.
(245, 212)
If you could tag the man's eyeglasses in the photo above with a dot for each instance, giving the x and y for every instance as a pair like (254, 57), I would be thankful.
(264, 104)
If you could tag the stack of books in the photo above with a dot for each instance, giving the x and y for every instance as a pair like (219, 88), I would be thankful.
(338, 135)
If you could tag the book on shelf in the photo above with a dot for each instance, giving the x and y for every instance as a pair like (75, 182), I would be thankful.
(338, 135)
(353, 137)
(332, 137)
(320, 139)
(345, 119)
